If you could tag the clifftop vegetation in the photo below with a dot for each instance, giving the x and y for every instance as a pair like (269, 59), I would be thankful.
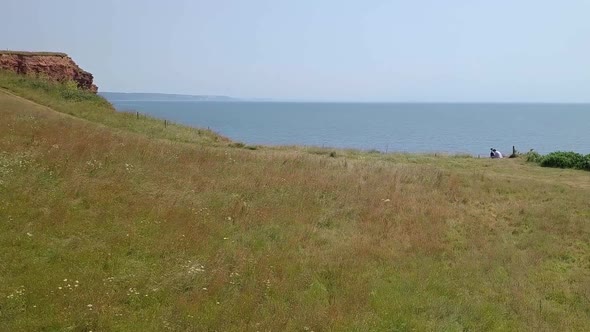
(8, 52)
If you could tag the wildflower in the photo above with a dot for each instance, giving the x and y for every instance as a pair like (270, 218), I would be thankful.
(29, 234)
(132, 291)
(196, 268)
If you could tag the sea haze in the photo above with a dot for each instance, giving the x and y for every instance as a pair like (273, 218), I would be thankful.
(391, 127)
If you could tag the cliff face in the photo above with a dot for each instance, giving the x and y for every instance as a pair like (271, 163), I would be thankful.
(56, 66)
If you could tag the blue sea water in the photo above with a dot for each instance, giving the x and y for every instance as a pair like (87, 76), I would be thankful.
(391, 127)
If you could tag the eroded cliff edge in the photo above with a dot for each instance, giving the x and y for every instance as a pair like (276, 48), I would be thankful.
(56, 66)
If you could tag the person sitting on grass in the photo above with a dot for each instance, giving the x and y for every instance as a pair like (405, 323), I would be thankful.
(495, 154)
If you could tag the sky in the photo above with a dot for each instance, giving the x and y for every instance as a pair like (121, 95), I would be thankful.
(370, 50)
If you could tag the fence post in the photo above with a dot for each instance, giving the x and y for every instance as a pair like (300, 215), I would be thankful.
(513, 155)
(165, 123)
(137, 115)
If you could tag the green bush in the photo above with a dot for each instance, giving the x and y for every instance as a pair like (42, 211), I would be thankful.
(560, 159)
(70, 91)
(239, 145)
(533, 156)
(563, 159)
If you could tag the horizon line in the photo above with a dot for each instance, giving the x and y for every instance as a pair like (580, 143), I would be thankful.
(303, 100)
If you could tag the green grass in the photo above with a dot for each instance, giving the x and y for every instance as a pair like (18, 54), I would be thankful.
(110, 223)
(7, 52)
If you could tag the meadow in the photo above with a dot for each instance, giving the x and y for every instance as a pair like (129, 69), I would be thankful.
(114, 222)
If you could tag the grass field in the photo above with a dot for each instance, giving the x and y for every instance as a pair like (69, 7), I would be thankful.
(113, 223)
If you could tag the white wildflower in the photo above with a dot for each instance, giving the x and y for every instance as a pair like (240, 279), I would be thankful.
(196, 268)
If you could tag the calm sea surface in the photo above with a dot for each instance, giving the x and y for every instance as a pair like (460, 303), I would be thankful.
(453, 128)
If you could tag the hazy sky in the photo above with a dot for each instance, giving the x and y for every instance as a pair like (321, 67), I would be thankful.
(370, 50)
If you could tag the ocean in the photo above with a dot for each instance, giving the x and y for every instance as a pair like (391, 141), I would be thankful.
(387, 127)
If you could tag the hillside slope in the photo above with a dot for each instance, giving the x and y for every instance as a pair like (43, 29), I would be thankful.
(109, 224)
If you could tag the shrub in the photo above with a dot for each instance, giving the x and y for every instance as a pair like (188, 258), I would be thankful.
(533, 156)
(238, 145)
(563, 159)
(585, 164)
(69, 90)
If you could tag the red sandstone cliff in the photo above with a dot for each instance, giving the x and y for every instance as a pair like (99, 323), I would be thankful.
(56, 66)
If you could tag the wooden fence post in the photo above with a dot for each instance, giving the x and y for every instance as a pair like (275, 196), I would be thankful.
(513, 155)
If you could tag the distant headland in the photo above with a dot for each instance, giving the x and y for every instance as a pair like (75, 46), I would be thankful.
(121, 96)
